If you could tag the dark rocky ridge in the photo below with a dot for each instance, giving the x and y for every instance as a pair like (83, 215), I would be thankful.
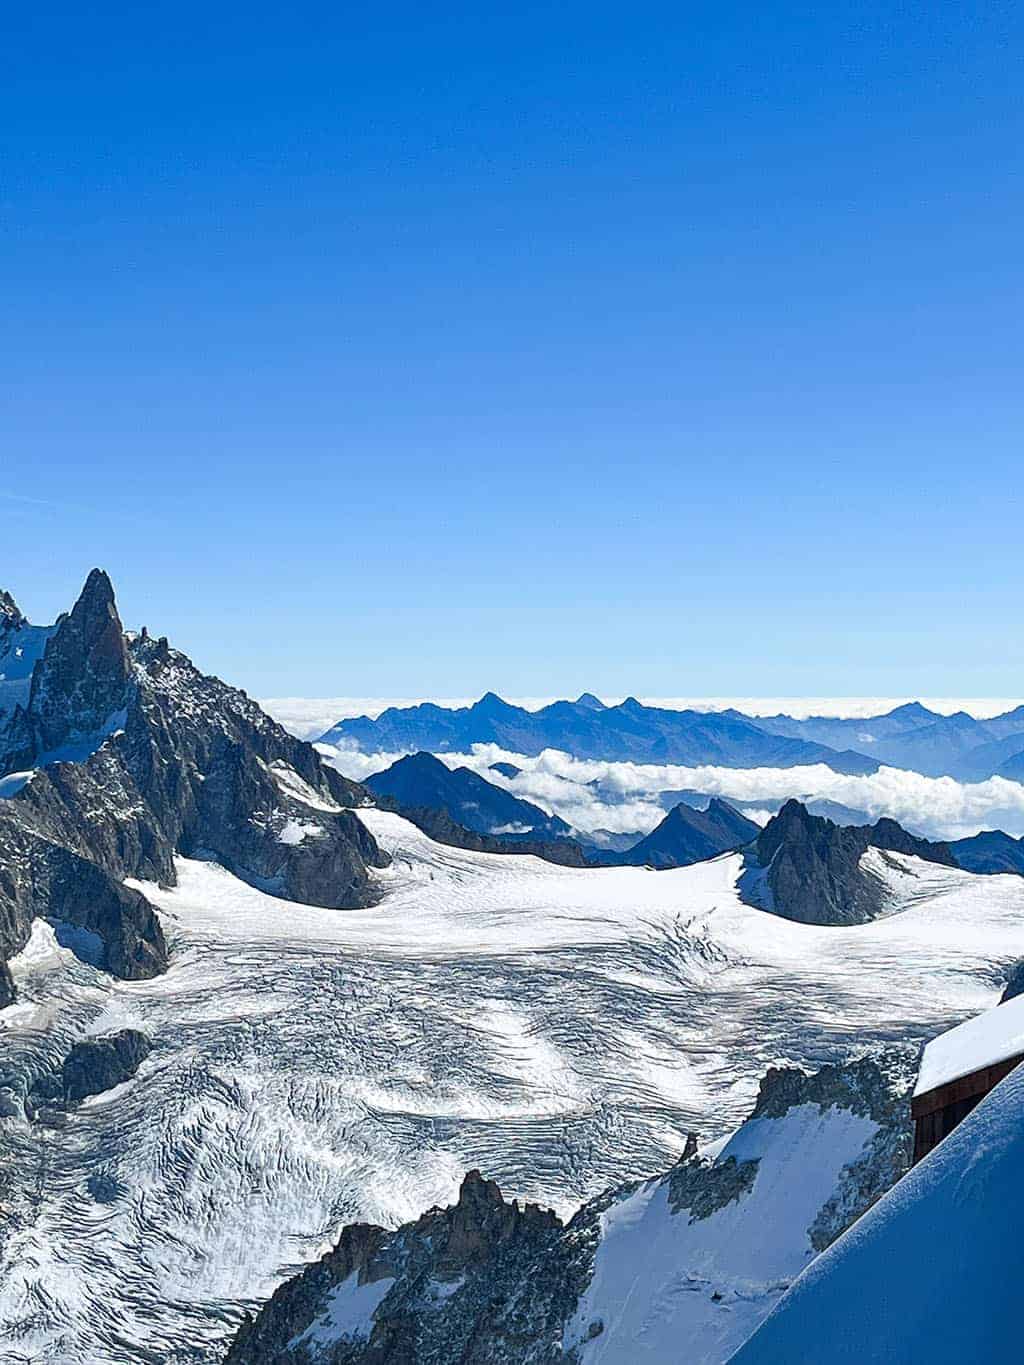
(991, 851)
(1014, 983)
(172, 761)
(482, 1247)
(488, 1283)
(806, 868)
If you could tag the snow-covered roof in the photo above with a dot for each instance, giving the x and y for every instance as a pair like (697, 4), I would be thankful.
(992, 1037)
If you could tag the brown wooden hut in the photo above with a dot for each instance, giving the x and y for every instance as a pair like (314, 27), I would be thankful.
(960, 1067)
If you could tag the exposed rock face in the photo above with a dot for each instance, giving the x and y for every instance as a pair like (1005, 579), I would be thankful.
(488, 1283)
(10, 614)
(689, 836)
(452, 1281)
(806, 868)
(887, 834)
(1014, 983)
(98, 1064)
(83, 677)
(875, 1087)
(171, 761)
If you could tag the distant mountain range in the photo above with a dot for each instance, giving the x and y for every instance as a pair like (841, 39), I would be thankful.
(911, 736)
(587, 728)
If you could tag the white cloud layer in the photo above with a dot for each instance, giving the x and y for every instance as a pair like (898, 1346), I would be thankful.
(310, 717)
(622, 797)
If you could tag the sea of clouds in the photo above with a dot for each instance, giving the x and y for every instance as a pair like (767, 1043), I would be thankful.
(624, 797)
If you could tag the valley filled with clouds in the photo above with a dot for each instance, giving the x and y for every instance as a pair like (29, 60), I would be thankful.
(627, 797)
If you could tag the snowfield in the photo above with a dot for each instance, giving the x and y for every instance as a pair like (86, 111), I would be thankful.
(560, 1029)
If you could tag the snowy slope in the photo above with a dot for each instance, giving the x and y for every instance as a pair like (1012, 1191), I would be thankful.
(662, 1276)
(560, 1029)
(932, 1272)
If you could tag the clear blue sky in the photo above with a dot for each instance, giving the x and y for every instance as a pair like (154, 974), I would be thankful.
(423, 349)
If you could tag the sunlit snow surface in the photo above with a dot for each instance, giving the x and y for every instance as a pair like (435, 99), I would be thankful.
(558, 1028)
(984, 1040)
(656, 1270)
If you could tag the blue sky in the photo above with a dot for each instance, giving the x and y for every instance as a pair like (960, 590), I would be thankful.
(654, 349)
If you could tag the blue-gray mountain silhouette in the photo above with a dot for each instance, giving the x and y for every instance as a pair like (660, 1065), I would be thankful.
(588, 729)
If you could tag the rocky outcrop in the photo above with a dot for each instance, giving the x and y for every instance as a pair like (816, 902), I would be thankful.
(688, 836)
(874, 1087)
(167, 760)
(487, 1282)
(1014, 983)
(83, 678)
(98, 1064)
(893, 838)
(451, 1282)
(806, 868)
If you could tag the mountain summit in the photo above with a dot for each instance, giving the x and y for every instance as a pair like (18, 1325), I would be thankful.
(806, 868)
(117, 754)
(689, 836)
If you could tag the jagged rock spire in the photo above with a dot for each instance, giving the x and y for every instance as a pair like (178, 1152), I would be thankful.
(83, 676)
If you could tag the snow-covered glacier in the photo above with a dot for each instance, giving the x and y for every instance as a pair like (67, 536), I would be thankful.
(560, 1029)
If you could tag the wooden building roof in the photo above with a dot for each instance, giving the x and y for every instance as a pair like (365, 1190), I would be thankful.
(979, 1043)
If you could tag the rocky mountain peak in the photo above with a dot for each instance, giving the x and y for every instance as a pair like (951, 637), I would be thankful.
(806, 868)
(83, 677)
(810, 870)
(10, 615)
(589, 702)
(139, 756)
(481, 1220)
(490, 704)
